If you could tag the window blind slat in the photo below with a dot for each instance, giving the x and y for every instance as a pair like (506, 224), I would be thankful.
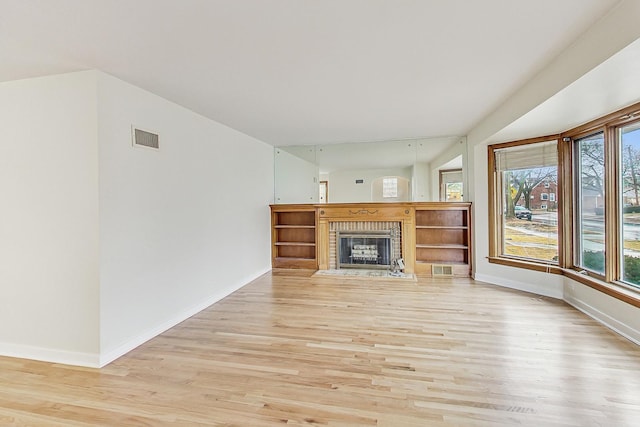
(527, 156)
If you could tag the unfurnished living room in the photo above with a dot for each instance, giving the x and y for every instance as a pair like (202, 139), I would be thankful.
(328, 213)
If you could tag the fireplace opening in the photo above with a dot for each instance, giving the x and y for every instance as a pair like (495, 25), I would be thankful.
(364, 249)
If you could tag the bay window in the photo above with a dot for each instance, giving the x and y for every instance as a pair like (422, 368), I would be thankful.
(570, 204)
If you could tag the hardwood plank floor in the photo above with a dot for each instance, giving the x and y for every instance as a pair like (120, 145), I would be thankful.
(288, 349)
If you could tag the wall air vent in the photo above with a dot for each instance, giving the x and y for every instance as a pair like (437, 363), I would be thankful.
(440, 270)
(144, 138)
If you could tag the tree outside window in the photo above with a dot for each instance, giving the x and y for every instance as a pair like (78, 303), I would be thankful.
(589, 222)
(524, 232)
(629, 144)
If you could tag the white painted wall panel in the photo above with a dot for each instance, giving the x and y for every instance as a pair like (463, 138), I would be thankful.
(49, 219)
(180, 227)
(296, 179)
(617, 315)
(343, 187)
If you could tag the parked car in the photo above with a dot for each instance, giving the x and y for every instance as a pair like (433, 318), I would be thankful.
(522, 213)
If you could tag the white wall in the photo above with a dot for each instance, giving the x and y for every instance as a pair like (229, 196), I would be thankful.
(49, 306)
(459, 149)
(103, 245)
(181, 227)
(296, 179)
(619, 316)
(421, 183)
(343, 187)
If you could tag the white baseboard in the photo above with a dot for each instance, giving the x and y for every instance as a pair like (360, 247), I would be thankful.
(113, 354)
(90, 360)
(607, 320)
(621, 328)
(546, 289)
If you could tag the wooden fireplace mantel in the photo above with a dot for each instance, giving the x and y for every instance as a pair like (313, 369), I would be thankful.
(403, 213)
(433, 233)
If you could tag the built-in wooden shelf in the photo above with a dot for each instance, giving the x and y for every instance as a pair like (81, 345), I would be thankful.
(455, 263)
(441, 246)
(431, 232)
(293, 236)
(443, 237)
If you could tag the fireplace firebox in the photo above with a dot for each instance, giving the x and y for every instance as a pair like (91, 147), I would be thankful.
(364, 249)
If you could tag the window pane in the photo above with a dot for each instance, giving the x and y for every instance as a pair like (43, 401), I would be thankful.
(390, 187)
(529, 220)
(630, 198)
(451, 185)
(590, 213)
(453, 192)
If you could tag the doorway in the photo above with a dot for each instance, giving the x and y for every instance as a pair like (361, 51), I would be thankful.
(324, 192)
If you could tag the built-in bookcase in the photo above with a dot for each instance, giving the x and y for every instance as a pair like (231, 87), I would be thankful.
(301, 238)
(443, 237)
(293, 237)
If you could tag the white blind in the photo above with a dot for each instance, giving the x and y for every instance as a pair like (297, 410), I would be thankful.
(541, 154)
(452, 176)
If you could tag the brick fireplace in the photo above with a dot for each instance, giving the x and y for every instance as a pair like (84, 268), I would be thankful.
(367, 233)
(379, 217)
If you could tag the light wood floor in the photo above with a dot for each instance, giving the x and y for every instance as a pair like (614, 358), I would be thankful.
(288, 349)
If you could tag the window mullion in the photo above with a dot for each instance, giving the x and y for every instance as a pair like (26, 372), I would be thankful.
(495, 230)
(612, 217)
(565, 201)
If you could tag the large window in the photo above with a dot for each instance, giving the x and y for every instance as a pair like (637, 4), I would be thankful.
(606, 176)
(577, 214)
(629, 146)
(528, 225)
(590, 205)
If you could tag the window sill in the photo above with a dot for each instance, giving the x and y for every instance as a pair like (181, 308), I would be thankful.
(617, 291)
(529, 265)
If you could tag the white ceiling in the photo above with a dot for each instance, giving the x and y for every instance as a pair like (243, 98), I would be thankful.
(608, 87)
(304, 71)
